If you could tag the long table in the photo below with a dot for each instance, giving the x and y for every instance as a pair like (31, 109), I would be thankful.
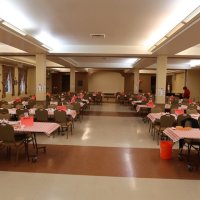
(73, 113)
(176, 134)
(37, 127)
(156, 116)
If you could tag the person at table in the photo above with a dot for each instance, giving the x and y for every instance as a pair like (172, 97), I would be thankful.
(186, 93)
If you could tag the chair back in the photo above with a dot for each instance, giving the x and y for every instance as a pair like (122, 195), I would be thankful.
(52, 106)
(38, 106)
(60, 116)
(41, 115)
(20, 112)
(19, 106)
(190, 122)
(182, 117)
(191, 111)
(7, 106)
(4, 116)
(31, 103)
(4, 111)
(7, 133)
(2, 103)
(70, 106)
(77, 107)
(198, 121)
(167, 121)
(192, 106)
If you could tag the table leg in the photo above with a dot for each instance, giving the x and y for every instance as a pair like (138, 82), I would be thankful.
(34, 156)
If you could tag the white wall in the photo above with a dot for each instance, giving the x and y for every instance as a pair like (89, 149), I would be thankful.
(193, 83)
(106, 82)
(178, 82)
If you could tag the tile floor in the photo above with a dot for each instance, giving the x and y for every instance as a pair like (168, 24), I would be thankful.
(136, 171)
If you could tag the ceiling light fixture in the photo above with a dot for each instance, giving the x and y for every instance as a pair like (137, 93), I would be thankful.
(183, 23)
(18, 61)
(98, 35)
(153, 47)
(192, 15)
(14, 28)
(175, 29)
(45, 46)
(161, 41)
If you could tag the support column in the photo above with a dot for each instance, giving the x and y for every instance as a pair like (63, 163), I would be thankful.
(136, 81)
(161, 76)
(16, 79)
(41, 77)
(72, 79)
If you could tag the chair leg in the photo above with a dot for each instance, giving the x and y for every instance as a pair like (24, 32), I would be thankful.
(17, 155)
(67, 133)
(150, 126)
(158, 137)
(8, 152)
(71, 128)
(189, 150)
(154, 133)
(27, 150)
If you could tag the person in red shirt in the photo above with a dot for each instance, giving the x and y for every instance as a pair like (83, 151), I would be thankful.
(186, 93)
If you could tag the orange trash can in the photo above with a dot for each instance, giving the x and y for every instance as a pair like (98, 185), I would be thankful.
(166, 149)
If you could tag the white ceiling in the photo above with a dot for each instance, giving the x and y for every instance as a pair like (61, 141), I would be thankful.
(131, 28)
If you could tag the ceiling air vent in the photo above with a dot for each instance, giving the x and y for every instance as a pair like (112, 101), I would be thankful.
(98, 35)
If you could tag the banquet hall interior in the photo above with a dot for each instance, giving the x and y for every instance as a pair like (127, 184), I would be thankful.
(105, 64)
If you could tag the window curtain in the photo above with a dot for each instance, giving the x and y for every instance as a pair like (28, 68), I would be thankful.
(5, 72)
(25, 79)
(22, 73)
(12, 71)
(20, 76)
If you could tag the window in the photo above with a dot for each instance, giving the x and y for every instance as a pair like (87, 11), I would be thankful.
(8, 86)
(22, 85)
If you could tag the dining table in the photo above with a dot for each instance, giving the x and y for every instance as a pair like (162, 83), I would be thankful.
(177, 133)
(72, 113)
(184, 133)
(156, 116)
(47, 128)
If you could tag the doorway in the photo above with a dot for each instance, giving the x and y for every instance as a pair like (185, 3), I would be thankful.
(65, 82)
(153, 84)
